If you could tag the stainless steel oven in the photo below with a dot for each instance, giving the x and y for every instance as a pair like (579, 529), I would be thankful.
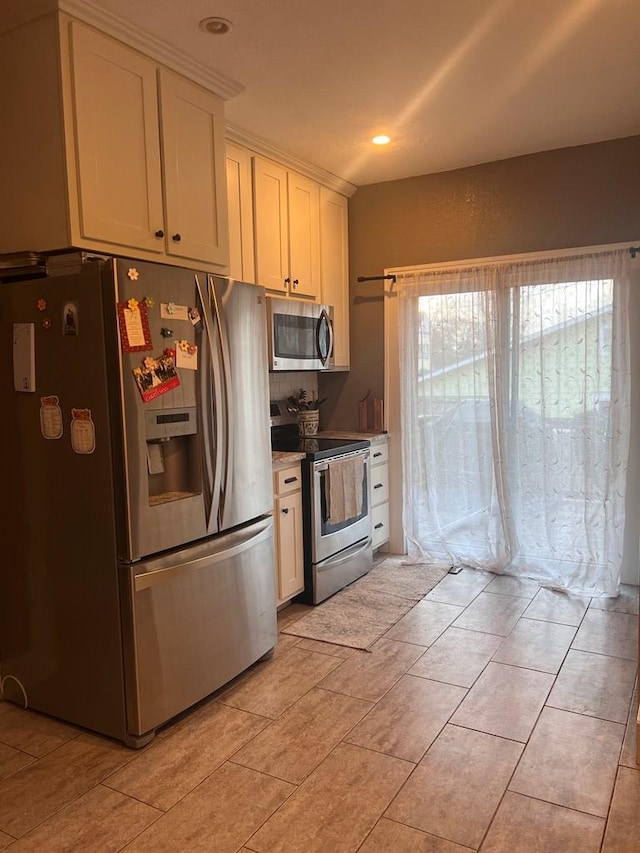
(341, 549)
(336, 506)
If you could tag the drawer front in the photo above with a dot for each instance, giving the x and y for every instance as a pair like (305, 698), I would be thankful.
(380, 525)
(379, 485)
(379, 453)
(287, 480)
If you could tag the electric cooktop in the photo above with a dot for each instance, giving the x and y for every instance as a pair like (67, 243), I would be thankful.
(317, 447)
(285, 437)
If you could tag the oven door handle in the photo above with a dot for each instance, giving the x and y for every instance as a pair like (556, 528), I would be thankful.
(324, 464)
(345, 555)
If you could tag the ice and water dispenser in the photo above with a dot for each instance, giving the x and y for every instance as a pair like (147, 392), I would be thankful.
(173, 454)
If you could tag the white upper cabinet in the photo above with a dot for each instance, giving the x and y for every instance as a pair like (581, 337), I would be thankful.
(271, 220)
(240, 213)
(296, 229)
(115, 100)
(287, 230)
(334, 257)
(130, 156)
(303, 196)
(193, 157)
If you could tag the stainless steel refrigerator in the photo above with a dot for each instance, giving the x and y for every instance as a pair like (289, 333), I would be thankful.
(137, 575)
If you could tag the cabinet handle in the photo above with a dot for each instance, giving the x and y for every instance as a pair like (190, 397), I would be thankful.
(295, 282)
(286, 510)
(287, 281)
(176, 238)
(378, 526)
(290, 480)
(375, 455)
(378, 486)
(159, 233)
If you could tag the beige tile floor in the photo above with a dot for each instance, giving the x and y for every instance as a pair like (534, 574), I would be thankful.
(494, 716)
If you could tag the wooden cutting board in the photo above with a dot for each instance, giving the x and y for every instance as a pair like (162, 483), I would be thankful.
(370, 413)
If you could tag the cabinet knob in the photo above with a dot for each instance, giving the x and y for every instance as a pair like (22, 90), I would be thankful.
(176, 238)
(295, 282)
(286, 510)
(287, 281)
(159, 233)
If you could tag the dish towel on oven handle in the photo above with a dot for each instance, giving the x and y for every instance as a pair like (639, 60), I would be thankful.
(345, 489)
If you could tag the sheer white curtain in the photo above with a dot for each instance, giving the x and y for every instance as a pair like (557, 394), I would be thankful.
(515, 411)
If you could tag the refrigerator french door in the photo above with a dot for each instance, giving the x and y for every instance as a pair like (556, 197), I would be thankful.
(139, 570)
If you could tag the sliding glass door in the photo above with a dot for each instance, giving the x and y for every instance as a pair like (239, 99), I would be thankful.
(515, 407)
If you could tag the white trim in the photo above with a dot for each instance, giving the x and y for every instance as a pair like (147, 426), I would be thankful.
(507, 259)
(397, 542)
(289, 161)
(151, 46)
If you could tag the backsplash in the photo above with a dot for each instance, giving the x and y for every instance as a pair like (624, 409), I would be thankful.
(283, 385)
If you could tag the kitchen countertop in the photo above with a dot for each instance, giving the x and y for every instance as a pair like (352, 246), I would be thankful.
(282, 458)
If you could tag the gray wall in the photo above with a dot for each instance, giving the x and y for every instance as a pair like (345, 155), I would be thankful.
(552, 200)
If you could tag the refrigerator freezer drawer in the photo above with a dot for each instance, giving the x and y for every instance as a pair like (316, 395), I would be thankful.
(196, 620)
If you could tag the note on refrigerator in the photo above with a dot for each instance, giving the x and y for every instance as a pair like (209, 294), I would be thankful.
(24, 357)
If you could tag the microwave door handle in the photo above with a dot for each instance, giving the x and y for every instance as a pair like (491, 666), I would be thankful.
(229, 431)
(323, 319)
(210, 434)
(330, 328)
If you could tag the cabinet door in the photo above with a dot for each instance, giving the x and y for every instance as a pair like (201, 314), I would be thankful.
(379, 484)
(288, 543)
(380, 525)
(240, 210)
(192, 122)
(116, 140)
(304, 235)
(334, 256)
(271, 224)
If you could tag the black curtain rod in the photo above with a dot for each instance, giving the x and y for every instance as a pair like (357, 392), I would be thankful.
(634, 250)
(392, 278)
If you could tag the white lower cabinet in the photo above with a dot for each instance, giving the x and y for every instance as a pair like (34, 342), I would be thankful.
(287, 513)
(380, 491)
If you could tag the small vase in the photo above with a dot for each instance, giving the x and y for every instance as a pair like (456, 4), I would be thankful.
(308, 422)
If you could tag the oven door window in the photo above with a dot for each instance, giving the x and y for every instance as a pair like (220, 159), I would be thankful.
(342, 506)
(295, 336)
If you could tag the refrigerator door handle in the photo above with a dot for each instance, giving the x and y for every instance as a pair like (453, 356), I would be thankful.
(213, 462)
(206, 416)
(249, 539)
(229, 402)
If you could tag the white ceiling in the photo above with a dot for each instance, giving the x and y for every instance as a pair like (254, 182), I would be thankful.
(453, 82)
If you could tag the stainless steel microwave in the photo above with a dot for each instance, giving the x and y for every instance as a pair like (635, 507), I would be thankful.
(300, 335)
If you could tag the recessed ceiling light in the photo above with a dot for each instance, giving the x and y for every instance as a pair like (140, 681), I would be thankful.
(381, 140)
(215, 26)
